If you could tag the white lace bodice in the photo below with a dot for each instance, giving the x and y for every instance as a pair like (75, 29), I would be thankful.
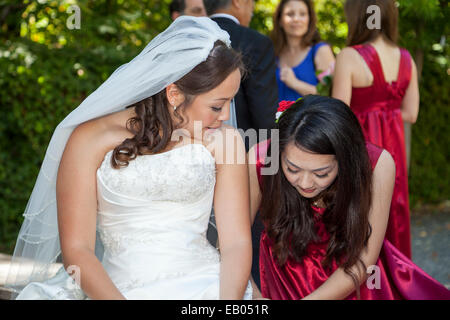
(182, 174)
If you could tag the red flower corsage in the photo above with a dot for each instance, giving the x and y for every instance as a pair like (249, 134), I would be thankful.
(283, 106)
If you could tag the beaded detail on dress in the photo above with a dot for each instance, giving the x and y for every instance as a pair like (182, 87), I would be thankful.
(182, 174)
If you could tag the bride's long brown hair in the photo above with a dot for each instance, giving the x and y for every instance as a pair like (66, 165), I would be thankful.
(153, 125)
(321, 125)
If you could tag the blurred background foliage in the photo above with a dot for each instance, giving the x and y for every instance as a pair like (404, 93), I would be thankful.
(47, 68)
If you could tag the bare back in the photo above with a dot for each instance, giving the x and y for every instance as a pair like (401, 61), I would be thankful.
(389, 56)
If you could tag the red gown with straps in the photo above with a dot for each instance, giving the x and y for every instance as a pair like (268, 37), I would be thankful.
(398, 276)
(377, 108)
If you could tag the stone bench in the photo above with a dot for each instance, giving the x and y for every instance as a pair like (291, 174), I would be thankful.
(5, 263)
(5, 293)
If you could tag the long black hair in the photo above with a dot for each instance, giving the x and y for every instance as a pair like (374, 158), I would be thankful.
(321, 125)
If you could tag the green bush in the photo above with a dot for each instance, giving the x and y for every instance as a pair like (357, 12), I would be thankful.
(430, 153)
(34, 99)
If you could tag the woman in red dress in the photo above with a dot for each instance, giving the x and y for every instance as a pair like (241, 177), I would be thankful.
(325, 211)
(379, 82)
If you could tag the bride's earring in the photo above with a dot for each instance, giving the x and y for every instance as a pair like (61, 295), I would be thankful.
(174, 107)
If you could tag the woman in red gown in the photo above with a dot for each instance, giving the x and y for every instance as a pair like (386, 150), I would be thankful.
(379, 82)
(325, 211)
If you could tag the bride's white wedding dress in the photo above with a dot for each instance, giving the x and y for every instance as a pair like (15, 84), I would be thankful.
(152, 219)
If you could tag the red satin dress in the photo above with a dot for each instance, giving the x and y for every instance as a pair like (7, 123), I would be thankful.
(378, 110)
(399, 278)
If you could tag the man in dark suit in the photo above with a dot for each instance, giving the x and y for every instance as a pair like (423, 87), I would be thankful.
(257, 100)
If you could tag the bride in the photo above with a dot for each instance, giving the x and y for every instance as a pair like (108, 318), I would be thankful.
(118, 177)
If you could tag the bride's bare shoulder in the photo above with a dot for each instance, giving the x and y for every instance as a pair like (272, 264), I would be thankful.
(226, 144)
(97, 136)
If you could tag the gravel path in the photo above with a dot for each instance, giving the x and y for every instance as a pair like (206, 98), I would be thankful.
(430, 233)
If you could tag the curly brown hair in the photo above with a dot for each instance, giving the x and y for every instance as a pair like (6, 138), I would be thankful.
(153, 125)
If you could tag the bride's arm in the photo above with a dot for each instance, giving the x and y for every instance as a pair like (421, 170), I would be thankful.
(255, 191)
(231, 209)
(255, 201)
(77, 212)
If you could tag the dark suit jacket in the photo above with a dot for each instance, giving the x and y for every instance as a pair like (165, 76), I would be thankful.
(257, 100)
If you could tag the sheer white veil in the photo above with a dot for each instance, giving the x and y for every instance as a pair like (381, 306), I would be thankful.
(167, 58)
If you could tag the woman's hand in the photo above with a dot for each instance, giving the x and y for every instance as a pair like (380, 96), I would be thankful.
(287, 75)
(256, 293)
